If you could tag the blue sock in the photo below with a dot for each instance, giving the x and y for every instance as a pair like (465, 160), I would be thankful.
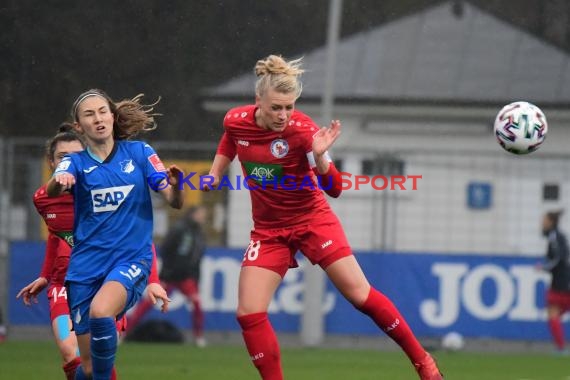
(103, 346)
(80, 375)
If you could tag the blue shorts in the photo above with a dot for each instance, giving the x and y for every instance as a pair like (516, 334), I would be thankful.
(133, 277)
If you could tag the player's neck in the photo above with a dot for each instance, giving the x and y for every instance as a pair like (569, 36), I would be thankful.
(101, 150)
(258, 120)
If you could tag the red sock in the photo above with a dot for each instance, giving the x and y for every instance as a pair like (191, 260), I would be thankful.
(557, 332)
(113, 374)
(140, 310)
(388, 318)
(70, 367)
(261, 343)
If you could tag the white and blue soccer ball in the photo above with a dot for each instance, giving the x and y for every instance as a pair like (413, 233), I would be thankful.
(452, 341)
(520, 127)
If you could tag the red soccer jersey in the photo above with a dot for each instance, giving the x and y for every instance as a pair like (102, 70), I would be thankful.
(57, 213)
(292, 195)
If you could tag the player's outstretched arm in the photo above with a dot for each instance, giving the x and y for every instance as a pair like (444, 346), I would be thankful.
(59, 183)
(29, 293)
(173, 192)
(154, 292)
(325, 169)
(219, 167)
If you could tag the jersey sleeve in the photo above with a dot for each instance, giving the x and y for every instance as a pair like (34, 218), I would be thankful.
(66, 165)
(37, 199)
(331, 181)
(52, 245)
(153, 163)
(226, 147)
(153, 277)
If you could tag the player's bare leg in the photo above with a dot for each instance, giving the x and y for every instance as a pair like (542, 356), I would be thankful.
(85, 369)
(256, 288)
(66, 343)
(348, 277)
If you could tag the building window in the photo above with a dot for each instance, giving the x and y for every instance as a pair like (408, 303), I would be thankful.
(550, 192)
(338, 164)
(383, 166)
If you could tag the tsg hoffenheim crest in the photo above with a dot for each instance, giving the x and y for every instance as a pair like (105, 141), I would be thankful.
(127, 166)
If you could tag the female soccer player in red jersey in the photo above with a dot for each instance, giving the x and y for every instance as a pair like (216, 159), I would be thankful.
(281, 151)
(58, 215)
(557, 262)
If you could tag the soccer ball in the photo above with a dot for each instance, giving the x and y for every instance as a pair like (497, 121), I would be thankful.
(452, 341)
(520, 127)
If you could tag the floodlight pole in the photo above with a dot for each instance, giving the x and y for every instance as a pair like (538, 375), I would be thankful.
(312, 321)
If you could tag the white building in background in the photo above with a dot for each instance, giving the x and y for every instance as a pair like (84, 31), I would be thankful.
(418, 96)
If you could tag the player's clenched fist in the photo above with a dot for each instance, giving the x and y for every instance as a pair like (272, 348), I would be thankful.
(64, 180)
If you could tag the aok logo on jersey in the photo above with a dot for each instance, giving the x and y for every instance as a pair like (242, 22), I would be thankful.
(263, 172)
(110, 198)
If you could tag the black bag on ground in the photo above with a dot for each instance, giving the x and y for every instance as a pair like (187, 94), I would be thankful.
(155, 331)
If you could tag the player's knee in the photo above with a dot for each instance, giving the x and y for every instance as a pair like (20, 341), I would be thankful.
(241, 311)
(249, 321)
(357, 295)
(249, 309)
(68, 351)
(100, 311)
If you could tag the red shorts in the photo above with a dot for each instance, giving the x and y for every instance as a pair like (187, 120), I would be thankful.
(275, 249)
(57, 296)
(559, 299)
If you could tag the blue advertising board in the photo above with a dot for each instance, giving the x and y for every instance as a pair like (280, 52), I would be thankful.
(478, 296)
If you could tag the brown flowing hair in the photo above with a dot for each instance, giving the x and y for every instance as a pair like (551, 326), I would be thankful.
(131, 115)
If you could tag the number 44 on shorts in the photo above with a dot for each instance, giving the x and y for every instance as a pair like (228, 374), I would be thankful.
(252, 251)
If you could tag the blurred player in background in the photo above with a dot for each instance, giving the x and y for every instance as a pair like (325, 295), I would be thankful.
(58, 216)
(557, 262)
(181, 252)
(291, 213)
(3, 330)
(112, 256)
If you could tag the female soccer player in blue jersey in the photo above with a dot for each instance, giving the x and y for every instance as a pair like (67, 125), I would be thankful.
(112, 256)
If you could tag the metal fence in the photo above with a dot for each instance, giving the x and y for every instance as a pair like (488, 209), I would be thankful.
(437, 217)
(23, 170)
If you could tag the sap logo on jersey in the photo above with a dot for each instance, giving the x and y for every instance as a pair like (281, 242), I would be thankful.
(109, 199)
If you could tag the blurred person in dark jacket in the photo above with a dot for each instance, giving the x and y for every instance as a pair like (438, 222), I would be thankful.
(557, 262)
(2, 328)
(181, 253)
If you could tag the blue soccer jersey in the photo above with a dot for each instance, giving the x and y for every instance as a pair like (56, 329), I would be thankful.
(113, 210)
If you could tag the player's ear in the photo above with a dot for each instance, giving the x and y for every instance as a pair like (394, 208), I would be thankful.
(51, 163)
(77, 127)
(257, 100)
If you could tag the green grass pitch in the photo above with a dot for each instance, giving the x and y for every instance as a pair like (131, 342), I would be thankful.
(137, 361)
